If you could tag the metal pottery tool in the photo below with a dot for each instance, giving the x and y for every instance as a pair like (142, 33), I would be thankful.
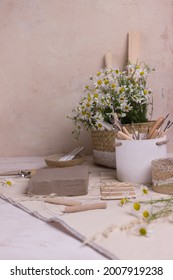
(168, 125)
(122, 132)
(20, 173)
(71, 155)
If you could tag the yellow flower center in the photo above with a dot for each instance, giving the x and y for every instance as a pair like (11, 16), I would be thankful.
(122, 89)
(145, 191)
(136, 206)
(113, 85)
(99, 82)
(141, 73)
(9, 183)
(143, 231)
(106, 82)
(145, 214)
(99, 125)
(123, 201)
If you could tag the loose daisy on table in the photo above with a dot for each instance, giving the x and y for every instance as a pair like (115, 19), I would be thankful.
(6, 182)
(140, 210)
(141, 230)
(144, 189)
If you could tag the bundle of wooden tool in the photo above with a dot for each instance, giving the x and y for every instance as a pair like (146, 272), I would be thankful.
(156, 131)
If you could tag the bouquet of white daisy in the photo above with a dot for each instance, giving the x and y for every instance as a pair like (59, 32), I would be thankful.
(112, 91)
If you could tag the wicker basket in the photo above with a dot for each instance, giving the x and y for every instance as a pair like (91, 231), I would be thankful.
(104, 148)
(104, 143)
(140, 127)
(53, 161)
(162, 175)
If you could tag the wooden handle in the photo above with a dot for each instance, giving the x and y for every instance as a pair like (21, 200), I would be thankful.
(134, 46)
(108, 60)
(155, 134)
(162, 143)
(32, 172)
(62, 201)
(124, 129)
(156, 126)
(123, 136)
(72, 209)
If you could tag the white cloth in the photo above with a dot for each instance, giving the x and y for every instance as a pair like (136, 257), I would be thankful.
(99, 223)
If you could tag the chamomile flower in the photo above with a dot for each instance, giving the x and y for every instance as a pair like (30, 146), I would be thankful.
(126, 107)
(123, 201)
(145, 214)
(141, 210)
(142, 230)
(7, 183)
(113, 90)
(144, 189)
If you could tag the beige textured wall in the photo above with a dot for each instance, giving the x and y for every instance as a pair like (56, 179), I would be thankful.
(50, 47)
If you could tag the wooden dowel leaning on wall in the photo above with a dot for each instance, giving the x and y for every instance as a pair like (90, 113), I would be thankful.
(108, 59)
(134, 46)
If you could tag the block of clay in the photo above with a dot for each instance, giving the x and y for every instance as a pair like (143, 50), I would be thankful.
(67, 181)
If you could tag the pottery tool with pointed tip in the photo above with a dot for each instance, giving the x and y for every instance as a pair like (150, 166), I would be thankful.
(20, 173)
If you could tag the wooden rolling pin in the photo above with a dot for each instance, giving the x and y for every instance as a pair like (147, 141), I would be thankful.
(155, 127)
(93, 206)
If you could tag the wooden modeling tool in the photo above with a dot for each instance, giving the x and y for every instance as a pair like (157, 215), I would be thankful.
(85, 207)
(123, 136)
(134, 45)
(155, 127)
(62, 201)
(108, 60)
(117, 190)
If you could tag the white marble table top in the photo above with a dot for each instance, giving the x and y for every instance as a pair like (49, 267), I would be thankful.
(23, 236)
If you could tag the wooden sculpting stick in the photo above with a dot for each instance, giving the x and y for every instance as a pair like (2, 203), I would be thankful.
(93, 206)
(62, 201)
(117, 190)
(108, 60)
(155, 127)
(134, 45)
(123, 136)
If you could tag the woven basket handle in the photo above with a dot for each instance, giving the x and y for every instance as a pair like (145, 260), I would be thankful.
(157, 143)
(162, 142)
(118, 144)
